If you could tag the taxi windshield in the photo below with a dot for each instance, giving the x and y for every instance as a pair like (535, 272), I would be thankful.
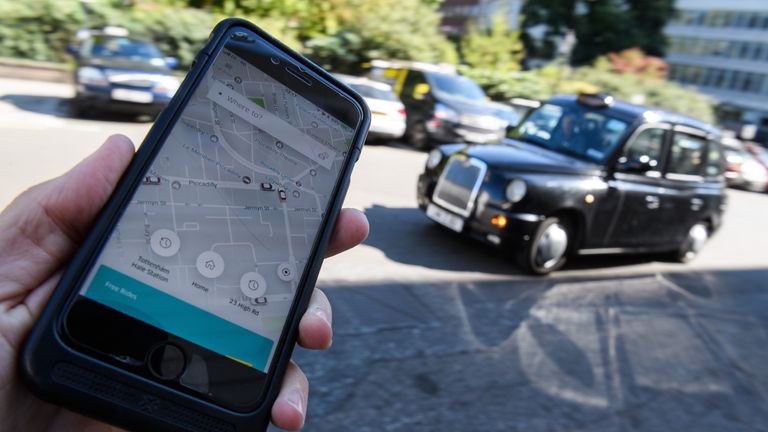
(578, 131)
(456, 86)
(122, 47)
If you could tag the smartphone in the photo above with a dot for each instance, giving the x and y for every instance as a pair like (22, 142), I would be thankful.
(180, 310)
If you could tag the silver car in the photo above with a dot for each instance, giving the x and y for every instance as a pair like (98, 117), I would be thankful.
(387, 112)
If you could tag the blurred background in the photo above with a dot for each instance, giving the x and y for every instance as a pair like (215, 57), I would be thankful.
(435, 331)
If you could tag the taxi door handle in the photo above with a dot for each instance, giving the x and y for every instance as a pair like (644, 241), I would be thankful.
(696, 204)
(652, 202)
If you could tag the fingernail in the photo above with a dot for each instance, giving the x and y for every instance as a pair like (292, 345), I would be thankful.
(322, 314)
(294, 398)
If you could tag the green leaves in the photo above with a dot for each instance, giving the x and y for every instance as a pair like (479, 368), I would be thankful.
(389, 29)
(551, 80)
(495, 48)
(341, 34)
(601, 26)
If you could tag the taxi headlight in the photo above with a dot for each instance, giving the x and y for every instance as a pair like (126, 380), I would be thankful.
(516, 190)
(166, 85)
(434, 158)
(91, 75)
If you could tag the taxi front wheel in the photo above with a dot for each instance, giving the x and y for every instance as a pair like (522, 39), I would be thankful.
(547, 249)
(696, 238)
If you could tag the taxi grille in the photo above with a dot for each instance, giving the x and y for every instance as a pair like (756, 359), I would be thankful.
(140, 80)
(136, 83)
(458, 185)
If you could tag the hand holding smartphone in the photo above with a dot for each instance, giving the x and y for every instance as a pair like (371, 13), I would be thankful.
(181, 309)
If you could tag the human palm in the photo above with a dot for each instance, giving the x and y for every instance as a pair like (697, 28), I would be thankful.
(40, 231)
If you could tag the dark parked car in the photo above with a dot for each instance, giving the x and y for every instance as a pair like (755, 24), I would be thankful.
(119, 73)
(583, 175)
(441, 106)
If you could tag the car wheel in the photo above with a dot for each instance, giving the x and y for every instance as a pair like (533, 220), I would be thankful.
(548, 249)
(694, 242)
(77, 110)
(417, 136)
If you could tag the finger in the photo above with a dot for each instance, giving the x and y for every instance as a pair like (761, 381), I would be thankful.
(351, 229)
(42, 227)
(290, 406)
(315, 330)
(20, 319)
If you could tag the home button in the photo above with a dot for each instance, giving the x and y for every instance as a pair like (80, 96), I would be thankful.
(167, 361)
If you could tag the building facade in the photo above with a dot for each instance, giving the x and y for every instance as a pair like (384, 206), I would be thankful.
(458, 14)
(721, 48)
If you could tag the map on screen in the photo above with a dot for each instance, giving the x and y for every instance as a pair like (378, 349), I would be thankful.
(213, 243)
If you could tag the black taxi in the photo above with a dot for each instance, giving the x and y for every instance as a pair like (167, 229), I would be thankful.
(582, 175)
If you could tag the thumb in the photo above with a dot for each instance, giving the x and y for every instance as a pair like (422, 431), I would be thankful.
(43, 226)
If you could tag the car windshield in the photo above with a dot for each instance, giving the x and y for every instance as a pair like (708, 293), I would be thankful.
(456, 86)
(576, 130)
(369, 91)
(122, 47)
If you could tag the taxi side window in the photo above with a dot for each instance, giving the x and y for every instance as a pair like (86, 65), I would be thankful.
(646, 147)
(715, 162)
(687, 154)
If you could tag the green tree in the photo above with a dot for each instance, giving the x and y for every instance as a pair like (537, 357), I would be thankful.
(39, 30)
(605, 26)
(495, 48)
(388, 29)
(649, 18)
(555, 16)
(601, 26)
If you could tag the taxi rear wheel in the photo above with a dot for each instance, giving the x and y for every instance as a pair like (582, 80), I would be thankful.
(548, 249)
(418, 136)
(697, 236)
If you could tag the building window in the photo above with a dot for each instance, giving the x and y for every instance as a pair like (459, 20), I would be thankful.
(719, 78)
(699, 17)
(753, 21)
(744, 50)
(756, 83)
(747, 83)
(720, 48)
(741, 20)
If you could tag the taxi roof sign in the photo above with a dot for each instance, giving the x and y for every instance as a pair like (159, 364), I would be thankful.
(595, 100)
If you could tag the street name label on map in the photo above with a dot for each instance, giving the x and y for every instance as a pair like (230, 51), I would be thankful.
(240, 106)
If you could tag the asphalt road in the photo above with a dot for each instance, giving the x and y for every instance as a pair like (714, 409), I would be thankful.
(434, 332)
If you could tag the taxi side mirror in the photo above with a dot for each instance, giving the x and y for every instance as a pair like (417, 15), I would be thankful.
(171, 62)
(420, 91)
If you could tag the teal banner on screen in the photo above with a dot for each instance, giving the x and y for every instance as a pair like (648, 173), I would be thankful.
(141, 301)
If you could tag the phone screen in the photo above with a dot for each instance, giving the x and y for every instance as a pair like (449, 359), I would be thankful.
(213, 244)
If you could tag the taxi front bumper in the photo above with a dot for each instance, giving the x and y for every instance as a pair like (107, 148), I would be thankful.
(492, 225)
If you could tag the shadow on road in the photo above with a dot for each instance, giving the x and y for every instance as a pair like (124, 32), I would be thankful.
(406, 235)
(60, 107)
(652, 352)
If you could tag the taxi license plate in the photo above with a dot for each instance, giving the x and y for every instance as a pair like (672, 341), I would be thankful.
(445, 218)
(128, 95)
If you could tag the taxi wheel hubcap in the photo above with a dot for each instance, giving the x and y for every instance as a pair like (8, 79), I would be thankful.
(697, 236)
(552, 246)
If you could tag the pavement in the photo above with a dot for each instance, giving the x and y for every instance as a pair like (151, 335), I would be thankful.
(434, 332)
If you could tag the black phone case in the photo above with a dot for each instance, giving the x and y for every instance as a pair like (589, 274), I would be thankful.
(59, 374)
